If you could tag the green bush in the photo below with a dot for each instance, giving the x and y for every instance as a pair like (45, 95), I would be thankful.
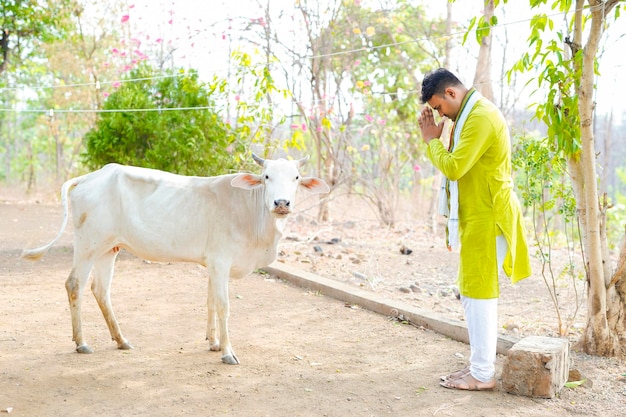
(184, 141)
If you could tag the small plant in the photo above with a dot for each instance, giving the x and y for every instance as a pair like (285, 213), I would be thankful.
(547, 194)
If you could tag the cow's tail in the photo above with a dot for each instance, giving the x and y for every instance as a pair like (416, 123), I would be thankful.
(37, 253)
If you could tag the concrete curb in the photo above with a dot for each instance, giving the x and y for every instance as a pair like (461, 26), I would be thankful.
(454, 329)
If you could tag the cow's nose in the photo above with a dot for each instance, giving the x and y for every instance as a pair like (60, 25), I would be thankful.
(282, 203)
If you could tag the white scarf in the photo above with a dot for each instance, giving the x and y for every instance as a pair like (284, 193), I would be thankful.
(449, 194)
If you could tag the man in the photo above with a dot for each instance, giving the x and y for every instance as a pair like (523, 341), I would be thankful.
(484, 214)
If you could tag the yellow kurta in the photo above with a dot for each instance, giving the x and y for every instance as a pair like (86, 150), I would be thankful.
(488, 206)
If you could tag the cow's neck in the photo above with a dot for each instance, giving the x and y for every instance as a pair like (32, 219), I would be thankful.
(279, 225)
(267, 229)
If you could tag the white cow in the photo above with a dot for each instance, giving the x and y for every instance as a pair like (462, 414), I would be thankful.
(230, 223)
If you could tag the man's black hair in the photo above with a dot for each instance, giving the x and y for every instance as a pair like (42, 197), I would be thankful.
(436, 82)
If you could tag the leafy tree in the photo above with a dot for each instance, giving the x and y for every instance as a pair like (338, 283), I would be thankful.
(567, 68)
(389, 53)
(363, 64)
(24, 26)
(254, 93)
(24, 23)
(167, 123)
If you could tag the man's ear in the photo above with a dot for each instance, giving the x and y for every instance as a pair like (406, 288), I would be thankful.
(450, 92)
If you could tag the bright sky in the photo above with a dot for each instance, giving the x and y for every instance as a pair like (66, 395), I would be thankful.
(207, 49)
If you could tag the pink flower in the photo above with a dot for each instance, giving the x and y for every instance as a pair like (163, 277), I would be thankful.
(170, 21)
(417, 168)
(369, 118)
(116, 84)
(237, 98)
(357, 63)
(304, 127)
(115, 51)
(125, 18)
(159, 40)
(105, 94)
(382, 122)
(295, 126)
(106, 64)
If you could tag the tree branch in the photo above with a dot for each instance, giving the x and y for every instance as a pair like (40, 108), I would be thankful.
(4, 48)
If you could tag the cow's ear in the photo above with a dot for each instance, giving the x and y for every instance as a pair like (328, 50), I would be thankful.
(246, 181)
(314, 185)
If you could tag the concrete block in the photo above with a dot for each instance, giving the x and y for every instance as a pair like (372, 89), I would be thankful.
(536, 366)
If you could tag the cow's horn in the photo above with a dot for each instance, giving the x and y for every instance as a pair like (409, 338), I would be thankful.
(302, 161)
(258, 160)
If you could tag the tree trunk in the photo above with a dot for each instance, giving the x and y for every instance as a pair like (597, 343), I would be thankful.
(617, 293)
(482, 77)
(436, 186)
(323, 214)
(598, 337)
(606, 152)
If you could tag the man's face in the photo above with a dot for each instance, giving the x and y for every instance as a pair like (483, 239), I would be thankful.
(447, 104)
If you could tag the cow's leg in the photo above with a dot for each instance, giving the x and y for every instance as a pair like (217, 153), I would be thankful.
(75, 285)
(218, 288)
(101, 289)
(211, 328)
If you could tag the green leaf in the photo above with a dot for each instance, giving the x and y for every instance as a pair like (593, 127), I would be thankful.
(574, 384)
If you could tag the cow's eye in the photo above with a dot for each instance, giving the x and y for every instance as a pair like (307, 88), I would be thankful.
(297, 177)
(267, 177)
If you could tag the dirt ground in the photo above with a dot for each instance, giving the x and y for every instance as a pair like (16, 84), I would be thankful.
(301, 353)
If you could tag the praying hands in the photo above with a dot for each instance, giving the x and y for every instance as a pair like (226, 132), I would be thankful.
(430, 129)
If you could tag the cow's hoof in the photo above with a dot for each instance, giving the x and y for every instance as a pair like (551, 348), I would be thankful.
(230, 360)
(125, 346)
(215, 347)
(84, 349)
